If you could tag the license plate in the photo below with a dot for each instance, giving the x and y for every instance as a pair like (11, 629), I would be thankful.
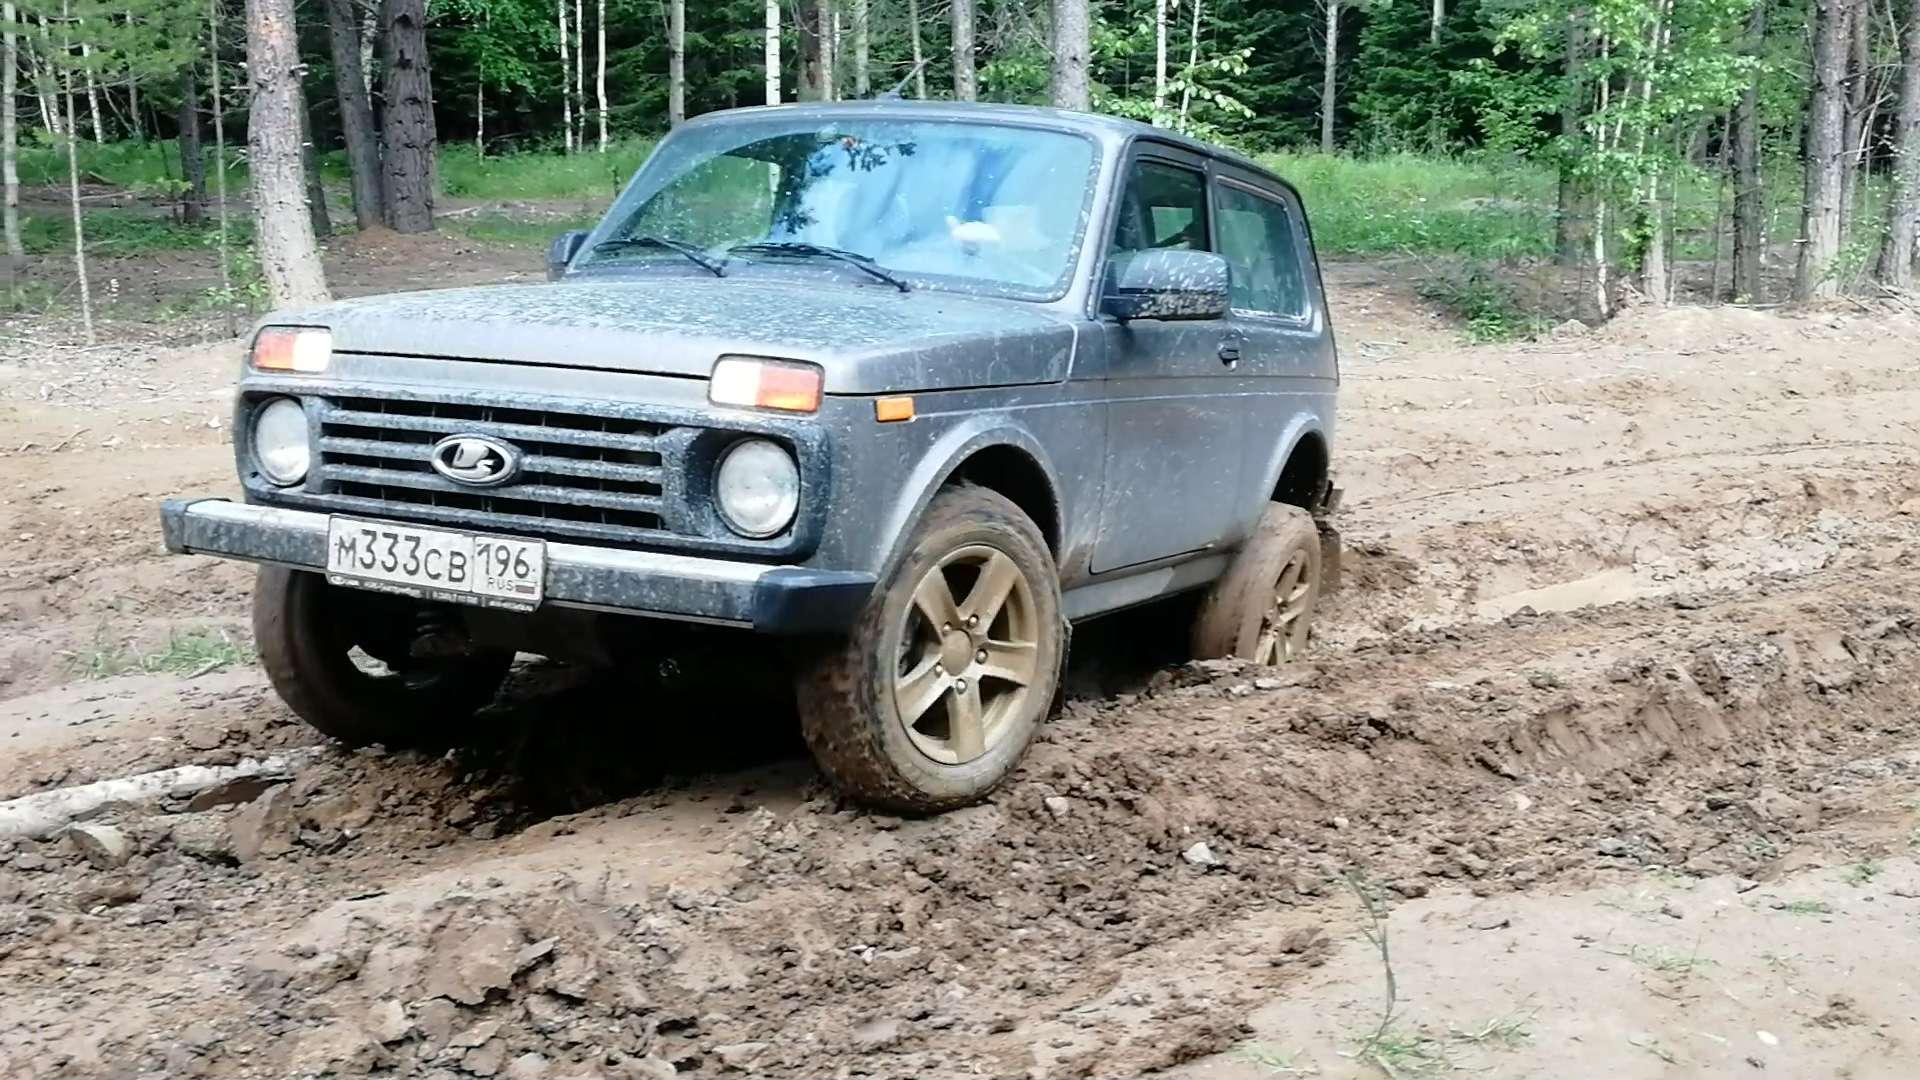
(437, 564)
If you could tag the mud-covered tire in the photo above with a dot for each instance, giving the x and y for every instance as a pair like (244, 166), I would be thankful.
(850, 693)
(305, 630)
(1262, 608)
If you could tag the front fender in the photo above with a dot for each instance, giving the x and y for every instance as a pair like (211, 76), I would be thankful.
(947, 453)
(1303, 425)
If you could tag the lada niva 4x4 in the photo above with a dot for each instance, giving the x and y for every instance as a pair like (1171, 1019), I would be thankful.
(908, 388)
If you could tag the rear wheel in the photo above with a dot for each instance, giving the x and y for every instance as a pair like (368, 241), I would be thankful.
(342, 660)
(1262, 608)
(934, 697)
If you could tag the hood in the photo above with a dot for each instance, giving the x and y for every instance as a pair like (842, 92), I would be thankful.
(869, 339)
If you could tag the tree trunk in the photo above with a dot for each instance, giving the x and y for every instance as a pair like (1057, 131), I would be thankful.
(48, 79)
(1855, 130)
(1748, 242)
(193, 157)
(862, 50)
(1071, 51)
(220, 161)
(283, 227)
(566, 71)
(600, 69)
(1159, 61)
(410, 140)
(10, 148)
(964, 88)
(1566, 244)
(579, 70)
(73, 187)
(812, 29)
(772, 60)
(1193, 61)
(369, 43)
(919, 55)
(1826, 153)
(1331, 56)
(310, 165)
(1439, 16)
(676, 62)
(1903, 201)
(93, 93)
(829, 50)
(356, 115)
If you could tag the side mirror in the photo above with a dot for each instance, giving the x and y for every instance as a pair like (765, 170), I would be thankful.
(562, 250)
(1166, 284)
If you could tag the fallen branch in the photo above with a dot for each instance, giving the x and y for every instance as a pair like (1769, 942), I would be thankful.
(43, 814)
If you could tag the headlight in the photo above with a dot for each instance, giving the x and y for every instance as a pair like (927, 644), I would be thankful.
(757, 488)
(305, 350)
(280, 441)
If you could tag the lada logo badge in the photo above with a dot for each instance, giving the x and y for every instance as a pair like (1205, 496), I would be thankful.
(476, 460)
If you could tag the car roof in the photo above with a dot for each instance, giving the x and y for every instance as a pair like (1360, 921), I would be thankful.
(1097, 124)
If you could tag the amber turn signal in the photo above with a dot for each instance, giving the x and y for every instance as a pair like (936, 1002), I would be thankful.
(306, 350)
(889, 409)
(765, 384)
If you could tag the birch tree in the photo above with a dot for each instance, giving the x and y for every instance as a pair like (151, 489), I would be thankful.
(964, 84)
(1072, 52)
(10, 150)
(772, 53)
(1329, 72)
(676, 63)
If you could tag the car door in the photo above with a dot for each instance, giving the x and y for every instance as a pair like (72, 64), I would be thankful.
(1270, 308)
(1173, 462)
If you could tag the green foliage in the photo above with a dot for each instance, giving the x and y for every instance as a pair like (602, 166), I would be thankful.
(120, 232)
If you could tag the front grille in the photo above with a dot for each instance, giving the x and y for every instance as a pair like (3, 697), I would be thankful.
(584, 475)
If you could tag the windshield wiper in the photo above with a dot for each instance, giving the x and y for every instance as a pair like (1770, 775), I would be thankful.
(692, 252)
(797, 247)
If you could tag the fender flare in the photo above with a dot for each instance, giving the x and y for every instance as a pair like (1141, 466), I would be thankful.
(931, 472)
(1302, 426)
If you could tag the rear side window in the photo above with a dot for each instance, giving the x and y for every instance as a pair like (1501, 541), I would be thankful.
(1257, 240)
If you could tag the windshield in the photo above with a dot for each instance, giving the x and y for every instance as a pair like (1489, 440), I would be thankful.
(938, 202)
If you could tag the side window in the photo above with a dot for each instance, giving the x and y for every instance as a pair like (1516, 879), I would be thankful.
(1165, 206)
(1257, 240)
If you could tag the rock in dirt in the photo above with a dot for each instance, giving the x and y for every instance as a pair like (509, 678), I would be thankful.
(231, 793)
(740, 1055)
(103, 845)
(1058, 807)
(388, 1022)
(528, 1066)
(264, 828)
(203, 836)
(467, 962)
(1200, 855)
(651, 1068)
(876, 1035)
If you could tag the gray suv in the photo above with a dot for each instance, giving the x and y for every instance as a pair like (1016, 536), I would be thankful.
(906, 388)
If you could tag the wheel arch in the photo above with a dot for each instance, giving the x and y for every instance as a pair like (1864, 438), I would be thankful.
(997, 456)
(1301, 464)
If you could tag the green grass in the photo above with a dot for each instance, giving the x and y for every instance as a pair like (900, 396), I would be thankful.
(589, 175)
(142, 167)
(1407, 204)
(502, 229)
(1805, 907)
(1492, 310)
(119, 231)
(191, 652)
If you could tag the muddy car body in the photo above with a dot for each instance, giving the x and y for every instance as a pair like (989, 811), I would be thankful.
(909, 386)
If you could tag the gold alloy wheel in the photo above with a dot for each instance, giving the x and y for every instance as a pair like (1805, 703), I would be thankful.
(966, 665)
(1284, 628)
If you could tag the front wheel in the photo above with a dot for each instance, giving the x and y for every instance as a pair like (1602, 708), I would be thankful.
(308, 633)
(934, 697)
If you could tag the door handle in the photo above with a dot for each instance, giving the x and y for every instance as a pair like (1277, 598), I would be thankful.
(1230, 351)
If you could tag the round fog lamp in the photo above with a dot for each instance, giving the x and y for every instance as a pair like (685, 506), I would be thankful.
(280, 441)
(757, 488)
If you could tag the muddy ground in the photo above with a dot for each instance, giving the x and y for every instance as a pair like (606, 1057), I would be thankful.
(1608, 757)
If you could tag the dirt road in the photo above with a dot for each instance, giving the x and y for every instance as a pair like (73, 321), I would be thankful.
(1611, 730)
